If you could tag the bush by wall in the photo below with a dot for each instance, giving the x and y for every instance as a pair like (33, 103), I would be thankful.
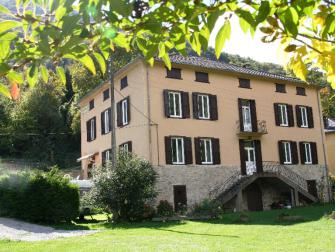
(38, 197)
(164, 209)
(126, 190)
(207, 207)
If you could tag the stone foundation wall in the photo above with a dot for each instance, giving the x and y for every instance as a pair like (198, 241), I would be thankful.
(314, 172)
(200, 180)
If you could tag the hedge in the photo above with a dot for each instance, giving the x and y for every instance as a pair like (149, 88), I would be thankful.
(38, 197)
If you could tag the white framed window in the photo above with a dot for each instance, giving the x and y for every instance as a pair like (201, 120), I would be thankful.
(287, 153)
(206, 151)
(203, 106)
(107, 155)
(92, 129)
(308, 153)
(283, 115)
(177, 148)
(125, 147)
(106, 121)
(246, 116)
(304, 118)
(124, 108)
(175, 109)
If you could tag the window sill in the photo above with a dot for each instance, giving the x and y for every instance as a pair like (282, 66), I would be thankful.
(245, 87)
(176, 117)
(284, 125)
(283, 92)
(178, 164)
(204, 119)
(173, 78)
(301, 94)
(202, 81)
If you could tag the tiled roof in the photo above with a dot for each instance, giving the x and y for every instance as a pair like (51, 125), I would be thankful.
(217, 65)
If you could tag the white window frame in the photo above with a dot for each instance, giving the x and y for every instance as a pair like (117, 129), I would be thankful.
(174, 143)
(204, 141)
(308, 153)
(283, 115)
(124, 108)
(92, 130)
(106, 121)
(287, 152)
(175, 95)
(304, 117)
(247, 120)
(125, 147)
(107, 156)
(202, 109)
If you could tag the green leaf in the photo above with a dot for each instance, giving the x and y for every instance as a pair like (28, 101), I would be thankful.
(32, 75)
(161, 49)
(263, 11)
(61, 74)
(60, 12)
(86, 60)
(8, 24)
(290, 48)
(245, 26)
(5, 91)
(15, 77)
(266, 30)
(4, 48)
(167, 61)
(102, 63)
(212, 18)
(4, 10)
(221, 37)
(4, 68)
(44, 73)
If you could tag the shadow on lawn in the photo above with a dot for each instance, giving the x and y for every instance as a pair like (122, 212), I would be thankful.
(304, 214)
(307, 214)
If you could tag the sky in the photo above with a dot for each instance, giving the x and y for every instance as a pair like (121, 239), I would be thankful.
(246, 46)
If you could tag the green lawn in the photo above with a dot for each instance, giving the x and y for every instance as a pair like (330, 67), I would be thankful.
(262, 233)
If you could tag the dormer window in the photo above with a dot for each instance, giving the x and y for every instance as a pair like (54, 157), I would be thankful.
(106, 94)
(124, 82)
(244, 83)
(201, 77)
(91, 105)
(280, 88)
(301, 91)
(174, 73)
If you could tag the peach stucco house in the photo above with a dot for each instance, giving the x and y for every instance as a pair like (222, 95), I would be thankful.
(213, 130)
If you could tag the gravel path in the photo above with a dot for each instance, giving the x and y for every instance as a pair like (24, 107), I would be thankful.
(19, 230)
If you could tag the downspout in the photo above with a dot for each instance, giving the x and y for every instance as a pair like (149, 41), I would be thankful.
(150, 122)
(324, 147)
(149, 113)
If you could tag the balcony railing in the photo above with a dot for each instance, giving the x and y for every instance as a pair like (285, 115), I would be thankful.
(243, 132)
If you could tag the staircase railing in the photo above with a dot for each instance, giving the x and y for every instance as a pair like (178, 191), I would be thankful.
(271, 166)
(268, 166)
(227, 184)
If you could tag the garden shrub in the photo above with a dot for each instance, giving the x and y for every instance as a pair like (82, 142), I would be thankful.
(39, 197)
(164, 209)
(207, 207)
(124, 190)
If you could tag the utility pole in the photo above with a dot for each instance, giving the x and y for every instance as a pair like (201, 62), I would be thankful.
(112, 117)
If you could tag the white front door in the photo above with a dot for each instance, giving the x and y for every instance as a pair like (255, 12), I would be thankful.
(250, 158)
(246, 113)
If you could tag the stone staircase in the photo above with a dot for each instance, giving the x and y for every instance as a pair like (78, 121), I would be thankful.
(236, 182)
